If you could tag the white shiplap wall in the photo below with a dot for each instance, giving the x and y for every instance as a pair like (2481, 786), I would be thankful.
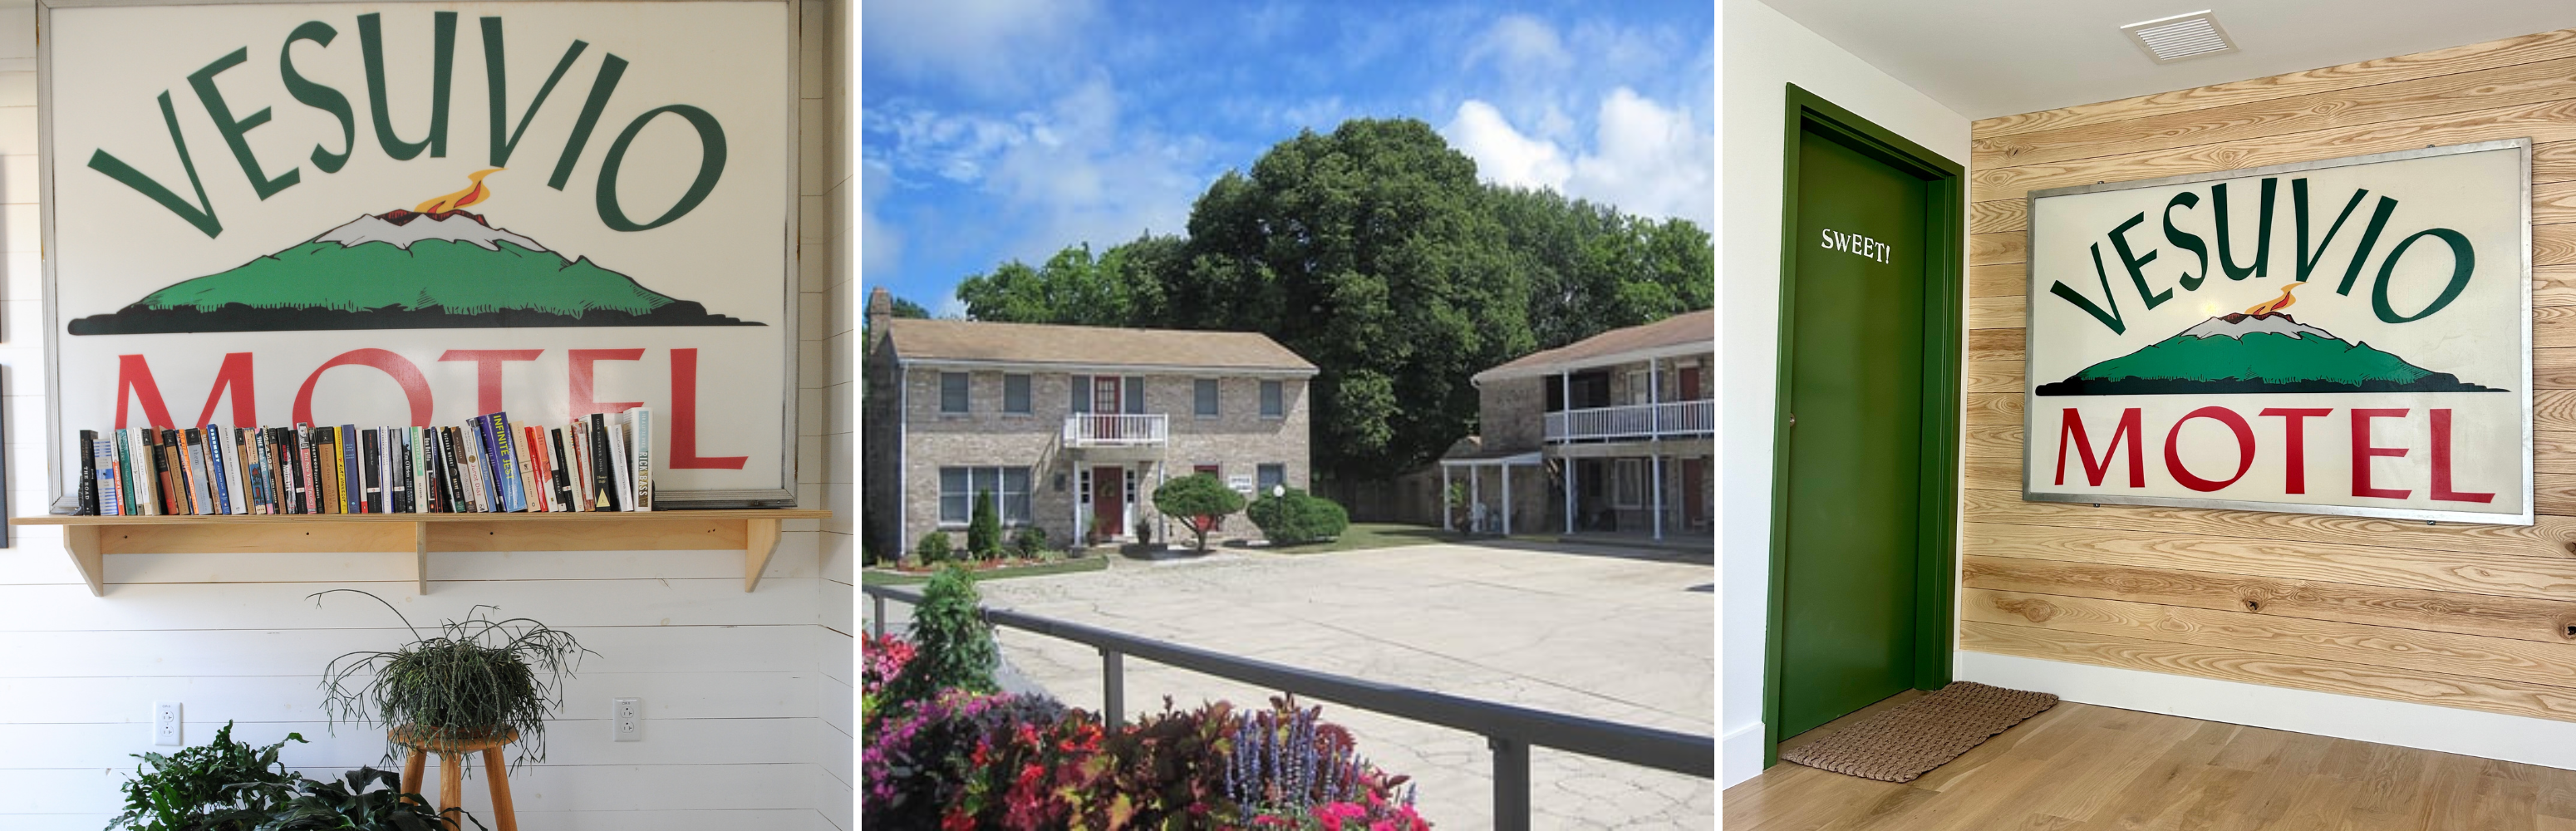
(748, 696)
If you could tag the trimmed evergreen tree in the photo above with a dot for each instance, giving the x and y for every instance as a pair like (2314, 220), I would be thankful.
(984, 530)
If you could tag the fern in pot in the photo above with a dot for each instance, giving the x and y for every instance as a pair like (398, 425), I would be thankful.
(476, 680)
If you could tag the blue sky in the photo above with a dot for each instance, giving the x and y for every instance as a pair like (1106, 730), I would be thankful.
(993, 130)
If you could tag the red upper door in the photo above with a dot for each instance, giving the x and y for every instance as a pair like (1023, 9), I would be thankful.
(1690, 381)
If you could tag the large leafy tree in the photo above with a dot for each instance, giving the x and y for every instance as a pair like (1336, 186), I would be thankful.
(1369, 251)
(1374, 252)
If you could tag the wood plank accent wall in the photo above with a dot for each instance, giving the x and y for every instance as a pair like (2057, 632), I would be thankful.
(2475, 616)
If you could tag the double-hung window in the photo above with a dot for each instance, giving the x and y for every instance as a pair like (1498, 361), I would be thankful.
(1203, 398)
(1629, 478)
(959, 485)
(1015, 394)
(1269, 476)
(1274, 400)
(952, 392)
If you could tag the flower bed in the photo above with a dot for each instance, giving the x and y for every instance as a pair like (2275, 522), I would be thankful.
(964, 760)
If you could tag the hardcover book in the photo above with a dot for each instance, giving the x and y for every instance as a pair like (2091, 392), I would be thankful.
(110, 501)
(89, 489)
(640, 444)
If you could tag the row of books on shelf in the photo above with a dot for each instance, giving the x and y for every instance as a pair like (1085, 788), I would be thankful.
(600, 462)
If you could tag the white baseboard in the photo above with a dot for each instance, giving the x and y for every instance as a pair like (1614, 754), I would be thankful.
(2445, 729)
(1739, 755)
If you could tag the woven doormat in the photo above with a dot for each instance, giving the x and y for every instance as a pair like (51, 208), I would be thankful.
(1912, 738)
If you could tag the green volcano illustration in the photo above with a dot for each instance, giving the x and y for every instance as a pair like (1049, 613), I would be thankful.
(433, 268)
(2251, 352)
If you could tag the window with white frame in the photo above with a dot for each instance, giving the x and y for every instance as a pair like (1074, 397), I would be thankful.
(1274, 400)
(959, 485)
(1203, 399)
(952, 391)
(1639, 385)
(1629, 478)
(1269, 476)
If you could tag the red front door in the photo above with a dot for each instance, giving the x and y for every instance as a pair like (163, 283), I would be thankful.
(1695, 493)
(1108, 501)
(1689, 383)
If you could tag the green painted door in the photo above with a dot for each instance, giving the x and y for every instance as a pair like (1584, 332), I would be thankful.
(1855, 447)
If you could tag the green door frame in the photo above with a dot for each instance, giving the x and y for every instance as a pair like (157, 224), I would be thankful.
(1944, 266)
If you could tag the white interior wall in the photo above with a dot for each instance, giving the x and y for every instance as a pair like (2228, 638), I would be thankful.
(748, 697)
(1764, 51)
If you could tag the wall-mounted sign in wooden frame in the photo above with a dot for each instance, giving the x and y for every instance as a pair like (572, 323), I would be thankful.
(2349, 336)
(415, 212)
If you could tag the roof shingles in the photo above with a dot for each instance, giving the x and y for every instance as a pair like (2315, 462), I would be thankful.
(1077, 346)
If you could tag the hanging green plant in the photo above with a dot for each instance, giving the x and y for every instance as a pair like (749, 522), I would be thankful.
(478, 679)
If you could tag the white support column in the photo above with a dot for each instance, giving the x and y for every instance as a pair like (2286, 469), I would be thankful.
(1569, 495)
(1655, 396)
(1564, 416)
(1658, 460)
(1079, 538)
(1507, 499)
(1447, 522)
(1475, 494)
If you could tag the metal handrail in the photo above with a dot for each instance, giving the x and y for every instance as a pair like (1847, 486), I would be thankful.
(1510, 730)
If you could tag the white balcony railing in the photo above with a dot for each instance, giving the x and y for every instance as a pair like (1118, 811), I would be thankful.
(1636, 421)
(1091, 430)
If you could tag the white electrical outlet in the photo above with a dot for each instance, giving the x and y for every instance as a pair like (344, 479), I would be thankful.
(165, 723)
(629, 715)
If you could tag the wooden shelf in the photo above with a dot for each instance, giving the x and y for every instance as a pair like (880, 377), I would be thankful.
(755, 531)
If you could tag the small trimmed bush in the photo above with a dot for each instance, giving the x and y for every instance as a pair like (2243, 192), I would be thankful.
(1030, 541)
(954, 646)
(1199, 501)
(933, 548)
(1297, 517)
(984, 529)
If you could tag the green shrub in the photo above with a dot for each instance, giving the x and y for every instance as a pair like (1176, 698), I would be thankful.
(190, 790)
(933, 549)
(1296, 517)
(984, 530)
(1199, 501)
(954, 645)
(1030, 541)
(349, 804)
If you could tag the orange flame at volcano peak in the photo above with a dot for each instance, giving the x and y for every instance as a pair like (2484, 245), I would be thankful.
(2277, 303)
(474, 192)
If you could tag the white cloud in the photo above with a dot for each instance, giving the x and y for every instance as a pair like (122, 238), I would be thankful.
(880, 245)
(1085, 176)
(1645, 158)
(1649, 159)
(1503, 155)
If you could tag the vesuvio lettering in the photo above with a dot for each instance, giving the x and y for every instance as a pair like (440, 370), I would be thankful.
(1854, 244)
(2191, 223)
(2122, 446)
(200, 212)
(136, 386)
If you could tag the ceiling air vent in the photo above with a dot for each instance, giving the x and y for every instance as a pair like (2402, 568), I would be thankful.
(2180, 37)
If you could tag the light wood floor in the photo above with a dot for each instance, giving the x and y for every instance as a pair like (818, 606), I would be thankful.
(2100, 769)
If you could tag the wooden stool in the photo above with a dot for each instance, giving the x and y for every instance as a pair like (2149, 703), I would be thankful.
(451, 771)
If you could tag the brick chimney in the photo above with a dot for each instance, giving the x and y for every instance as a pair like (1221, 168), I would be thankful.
(880, 310)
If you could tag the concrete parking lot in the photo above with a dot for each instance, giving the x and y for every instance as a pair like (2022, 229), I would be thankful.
(1602, 632)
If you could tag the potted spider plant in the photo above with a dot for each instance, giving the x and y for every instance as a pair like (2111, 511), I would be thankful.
(475, 681)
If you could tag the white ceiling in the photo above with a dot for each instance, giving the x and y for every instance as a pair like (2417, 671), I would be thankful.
(1985, 58)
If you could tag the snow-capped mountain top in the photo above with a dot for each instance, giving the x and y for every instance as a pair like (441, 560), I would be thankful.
(2239, 325)
(402, 228)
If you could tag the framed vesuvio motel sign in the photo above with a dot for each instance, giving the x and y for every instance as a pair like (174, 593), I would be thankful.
(411, 213)
(2350, 336)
